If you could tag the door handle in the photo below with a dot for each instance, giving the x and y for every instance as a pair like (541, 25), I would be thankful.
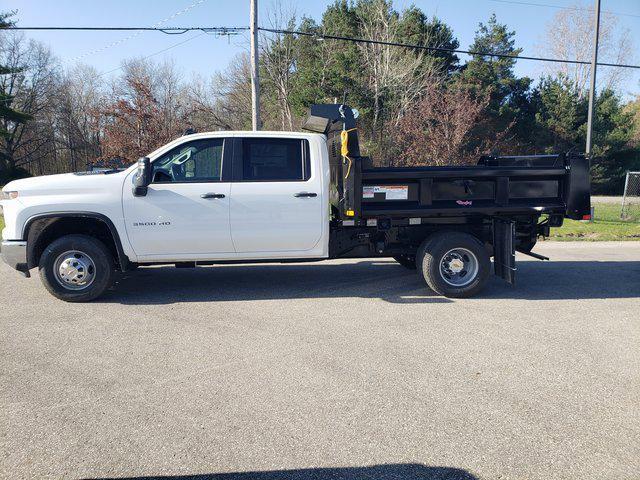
(212, 195)
(305, 194)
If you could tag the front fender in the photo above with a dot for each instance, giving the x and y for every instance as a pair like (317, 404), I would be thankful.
(37, 224)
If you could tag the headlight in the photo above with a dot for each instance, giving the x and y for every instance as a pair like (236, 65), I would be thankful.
(8, 195)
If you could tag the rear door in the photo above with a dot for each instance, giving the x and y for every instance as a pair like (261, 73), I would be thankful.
(276, 198)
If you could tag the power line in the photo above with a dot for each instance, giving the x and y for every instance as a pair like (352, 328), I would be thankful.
(123, 40)
(158, 52)
(235, 30)
(560, 7)
(440, 49)
(167, 30)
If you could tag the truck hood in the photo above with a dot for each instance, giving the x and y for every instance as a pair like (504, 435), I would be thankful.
(66, 183)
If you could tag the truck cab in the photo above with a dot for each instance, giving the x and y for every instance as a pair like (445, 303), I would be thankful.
(222, 196)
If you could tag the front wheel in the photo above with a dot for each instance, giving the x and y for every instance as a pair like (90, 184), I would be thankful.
(76, 268)
(454, 264)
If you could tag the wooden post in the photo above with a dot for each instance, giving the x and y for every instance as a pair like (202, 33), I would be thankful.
(592, 89)
(255, 78)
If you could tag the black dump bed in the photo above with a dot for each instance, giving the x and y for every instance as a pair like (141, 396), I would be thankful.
(558, 184)
(497, 186)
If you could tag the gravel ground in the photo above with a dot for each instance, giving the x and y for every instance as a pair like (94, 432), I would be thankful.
(342, 369)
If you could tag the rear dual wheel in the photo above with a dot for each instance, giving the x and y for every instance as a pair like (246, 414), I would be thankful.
(454, 264)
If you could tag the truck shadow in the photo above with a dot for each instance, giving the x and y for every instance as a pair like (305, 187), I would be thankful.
(383, 279)
(570, 280)
(404, 471)
(379, 279)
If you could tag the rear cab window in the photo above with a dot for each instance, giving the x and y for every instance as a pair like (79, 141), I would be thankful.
(274, 160)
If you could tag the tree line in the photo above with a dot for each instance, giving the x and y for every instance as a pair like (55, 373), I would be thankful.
(418, 107)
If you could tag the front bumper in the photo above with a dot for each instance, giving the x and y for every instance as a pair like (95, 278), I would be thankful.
(14, 254)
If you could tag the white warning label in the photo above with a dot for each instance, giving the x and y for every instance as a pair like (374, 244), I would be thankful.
(395, 192)
(368, 192)
(391, 192)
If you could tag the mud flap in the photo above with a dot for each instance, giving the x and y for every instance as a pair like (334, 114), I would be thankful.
(504, 254)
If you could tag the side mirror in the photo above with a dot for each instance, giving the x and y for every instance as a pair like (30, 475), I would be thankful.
(142, 180)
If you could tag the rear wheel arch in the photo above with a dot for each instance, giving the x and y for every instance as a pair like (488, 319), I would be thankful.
(41, 230)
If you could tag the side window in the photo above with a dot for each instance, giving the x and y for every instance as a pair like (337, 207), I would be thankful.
(197, 161)
(275, 160)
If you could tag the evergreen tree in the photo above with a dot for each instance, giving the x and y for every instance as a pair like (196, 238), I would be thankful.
(328, 69)
(633, 108)
(493, 78)
(612, 134)
(494, 75)
(613, 124)
(343, 65)
(309, 78)
(560, 113)
(417, 29)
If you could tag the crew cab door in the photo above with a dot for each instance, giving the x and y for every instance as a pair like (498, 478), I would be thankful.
(185, 214)
(276, 198)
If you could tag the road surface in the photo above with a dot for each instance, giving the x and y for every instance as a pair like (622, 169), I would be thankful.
(344, 369)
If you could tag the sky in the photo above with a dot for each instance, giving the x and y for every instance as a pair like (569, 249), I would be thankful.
(205, 54)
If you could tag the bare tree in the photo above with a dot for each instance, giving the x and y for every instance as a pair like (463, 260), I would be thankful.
(436, 130)
(80, 96)
(134, 120)
(570, 35)
(277, 59)
(224, 102)
(32, 85)
(168, 88)
(379, 22)
(391, 72)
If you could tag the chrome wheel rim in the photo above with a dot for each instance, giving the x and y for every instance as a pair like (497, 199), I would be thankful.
(459, 267)
(74, 270)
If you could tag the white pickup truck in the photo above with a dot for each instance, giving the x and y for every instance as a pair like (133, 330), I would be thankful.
(237, 197)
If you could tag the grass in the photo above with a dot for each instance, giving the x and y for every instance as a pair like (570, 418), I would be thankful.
(607, 225)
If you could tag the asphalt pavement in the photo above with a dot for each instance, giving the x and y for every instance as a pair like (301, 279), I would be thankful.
(343, 370)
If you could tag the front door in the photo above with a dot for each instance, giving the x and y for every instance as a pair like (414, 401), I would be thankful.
(185, 214)
(276, 204)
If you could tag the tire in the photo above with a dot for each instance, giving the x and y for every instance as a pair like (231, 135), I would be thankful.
(407, 261)
(454, 264)
(76, 268)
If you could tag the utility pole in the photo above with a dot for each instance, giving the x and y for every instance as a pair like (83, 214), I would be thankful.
(592, 89)
(255, 79)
